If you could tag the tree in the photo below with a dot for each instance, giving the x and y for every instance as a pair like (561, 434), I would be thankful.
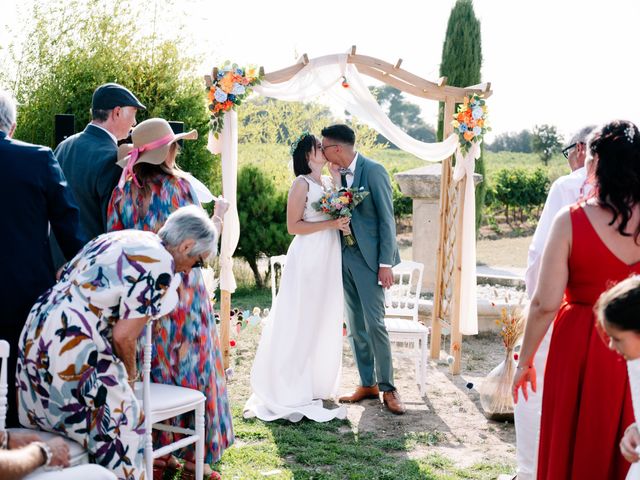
(461, 63)
(512, 142)
(72, 47)
(546, 141)
(403, 113)
(263, 215)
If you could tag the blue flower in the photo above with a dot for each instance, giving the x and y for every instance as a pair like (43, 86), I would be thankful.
(463, 127)
(231, 97)
(238, 89)
(239, 71)
(220, 96)
(477, 113)
(477, 130)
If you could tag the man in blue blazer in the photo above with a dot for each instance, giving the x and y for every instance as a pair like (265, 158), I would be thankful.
(88, 158)
(366, 266)
(34, 195)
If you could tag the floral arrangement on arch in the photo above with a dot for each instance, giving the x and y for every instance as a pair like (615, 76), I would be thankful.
(229, 87)
(470, 122)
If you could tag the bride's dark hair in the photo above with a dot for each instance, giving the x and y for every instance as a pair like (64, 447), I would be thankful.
(300, 162)
(617, 171)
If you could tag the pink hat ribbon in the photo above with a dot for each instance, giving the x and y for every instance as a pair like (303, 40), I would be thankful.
(135, 153)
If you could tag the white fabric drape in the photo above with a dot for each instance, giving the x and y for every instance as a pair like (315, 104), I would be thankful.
(227, 145)
(465, 166)
(323, 75)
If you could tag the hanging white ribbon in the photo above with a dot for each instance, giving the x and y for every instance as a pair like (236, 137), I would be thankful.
(464, 168)
(227, 145)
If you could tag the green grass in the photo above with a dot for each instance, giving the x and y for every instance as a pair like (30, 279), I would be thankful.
(246, 297)
(309, 450)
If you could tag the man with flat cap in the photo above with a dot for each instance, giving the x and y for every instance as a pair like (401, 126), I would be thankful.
(88, 158)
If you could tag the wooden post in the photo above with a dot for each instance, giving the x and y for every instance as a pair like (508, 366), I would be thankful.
(445, 180)
(225, 316)
(456, 336)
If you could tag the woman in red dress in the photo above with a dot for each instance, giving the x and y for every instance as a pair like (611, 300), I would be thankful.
(586, 400)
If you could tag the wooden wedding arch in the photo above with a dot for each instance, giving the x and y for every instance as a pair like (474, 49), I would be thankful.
(446, 300)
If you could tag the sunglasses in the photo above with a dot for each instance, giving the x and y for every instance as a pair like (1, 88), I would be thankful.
(199, 263)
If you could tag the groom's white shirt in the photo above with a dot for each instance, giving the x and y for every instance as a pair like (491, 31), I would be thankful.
(350, 178)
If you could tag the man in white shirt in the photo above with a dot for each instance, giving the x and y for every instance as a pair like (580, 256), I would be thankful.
(566, 190)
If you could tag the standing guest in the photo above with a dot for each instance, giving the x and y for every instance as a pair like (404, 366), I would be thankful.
(565, 191)
(586, 402)
(88, 158)
(34, 194)
(77, 356)
(187, 350)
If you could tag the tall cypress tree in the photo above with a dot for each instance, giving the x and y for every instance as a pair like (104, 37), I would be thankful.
(461, 62)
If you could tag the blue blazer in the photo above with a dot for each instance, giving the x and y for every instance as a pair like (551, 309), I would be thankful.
(34, 194)
(373, 222)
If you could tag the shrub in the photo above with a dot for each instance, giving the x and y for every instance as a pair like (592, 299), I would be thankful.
(520, 189)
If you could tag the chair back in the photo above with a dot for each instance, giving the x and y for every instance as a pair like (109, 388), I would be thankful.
(402, 298)
(4, 389)
(280, 261)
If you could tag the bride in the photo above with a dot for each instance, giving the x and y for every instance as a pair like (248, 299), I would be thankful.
(299, 357)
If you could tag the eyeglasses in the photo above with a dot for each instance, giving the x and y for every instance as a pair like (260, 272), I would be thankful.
(328, 146)
(199, 263)
(565, 151)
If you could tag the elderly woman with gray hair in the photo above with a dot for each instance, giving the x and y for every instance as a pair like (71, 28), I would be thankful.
(77, 358)
(186, 347)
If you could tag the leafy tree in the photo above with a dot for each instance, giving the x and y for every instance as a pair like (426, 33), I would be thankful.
(403, 113)
(461, 62)
(546, 141)
(263, 216)
(72, 47)
(512, 142)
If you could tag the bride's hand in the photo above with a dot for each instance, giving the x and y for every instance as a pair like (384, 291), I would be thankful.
(221, 206)
(524, 375)
(342, 224)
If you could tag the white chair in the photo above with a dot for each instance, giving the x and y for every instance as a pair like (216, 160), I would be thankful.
(162, 402)
(279, 260)
(408, 336)
(78, 455)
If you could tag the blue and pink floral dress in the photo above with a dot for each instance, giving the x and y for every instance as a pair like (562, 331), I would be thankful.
(186, 349)
(68, 377)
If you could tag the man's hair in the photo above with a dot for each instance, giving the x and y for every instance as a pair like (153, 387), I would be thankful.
(7, 111)
(341, 133)
(100, 115)
(582, 135)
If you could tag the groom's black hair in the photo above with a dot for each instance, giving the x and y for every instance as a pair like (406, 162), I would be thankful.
(300, 162)
(341, 133)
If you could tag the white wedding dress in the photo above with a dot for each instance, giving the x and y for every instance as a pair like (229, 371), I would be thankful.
(633, 367)
(299, 358)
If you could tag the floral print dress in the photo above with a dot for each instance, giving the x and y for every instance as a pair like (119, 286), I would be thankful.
(68, 377)
(186, 349)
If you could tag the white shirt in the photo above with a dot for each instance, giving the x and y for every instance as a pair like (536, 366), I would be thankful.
(566, 190)
(113, 137)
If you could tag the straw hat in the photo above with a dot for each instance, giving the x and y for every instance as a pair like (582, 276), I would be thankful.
(152, 140)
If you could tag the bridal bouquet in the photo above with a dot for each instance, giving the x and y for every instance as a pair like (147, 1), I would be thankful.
(340, 203)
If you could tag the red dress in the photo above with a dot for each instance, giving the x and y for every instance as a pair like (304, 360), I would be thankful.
(586, 402)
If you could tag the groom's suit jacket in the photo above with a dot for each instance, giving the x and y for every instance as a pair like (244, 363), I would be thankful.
(373, 223)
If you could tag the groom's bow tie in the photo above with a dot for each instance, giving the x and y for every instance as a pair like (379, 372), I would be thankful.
(345, 171)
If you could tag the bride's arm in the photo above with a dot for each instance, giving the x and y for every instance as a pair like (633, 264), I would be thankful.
(295, 212)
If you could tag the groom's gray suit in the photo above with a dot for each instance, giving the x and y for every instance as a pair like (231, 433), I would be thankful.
(373, 225)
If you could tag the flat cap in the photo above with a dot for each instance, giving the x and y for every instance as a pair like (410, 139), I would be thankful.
(111, 95)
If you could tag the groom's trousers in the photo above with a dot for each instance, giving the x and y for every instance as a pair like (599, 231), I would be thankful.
(364, 301)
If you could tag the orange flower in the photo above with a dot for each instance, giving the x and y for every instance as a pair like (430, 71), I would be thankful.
(480, 123)
(226, 84)
(468, 135)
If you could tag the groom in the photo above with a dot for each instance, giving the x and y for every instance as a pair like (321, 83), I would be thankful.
(366, 266)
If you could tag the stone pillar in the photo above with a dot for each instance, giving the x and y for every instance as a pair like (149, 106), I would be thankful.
(423, 186)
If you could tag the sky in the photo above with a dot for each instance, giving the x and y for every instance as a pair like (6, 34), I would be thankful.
(567, 63)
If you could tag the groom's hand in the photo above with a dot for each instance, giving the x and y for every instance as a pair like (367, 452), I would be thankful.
(385, 277)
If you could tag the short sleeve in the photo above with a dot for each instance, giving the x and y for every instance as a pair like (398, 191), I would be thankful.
(150, 287)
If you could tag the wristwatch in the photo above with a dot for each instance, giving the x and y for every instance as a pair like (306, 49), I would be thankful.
(46, 451)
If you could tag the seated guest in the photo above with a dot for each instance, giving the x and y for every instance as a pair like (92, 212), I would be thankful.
(34, 195)
(26, 454)
(186, 350)
(77, 356)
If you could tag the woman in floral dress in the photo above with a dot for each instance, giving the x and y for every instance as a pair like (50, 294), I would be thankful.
(186, 349)
(76, 362)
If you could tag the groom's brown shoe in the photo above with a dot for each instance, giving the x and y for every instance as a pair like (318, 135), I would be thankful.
(393, 403)
(361, 393)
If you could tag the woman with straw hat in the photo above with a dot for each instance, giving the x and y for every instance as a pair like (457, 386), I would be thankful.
(187, 350)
